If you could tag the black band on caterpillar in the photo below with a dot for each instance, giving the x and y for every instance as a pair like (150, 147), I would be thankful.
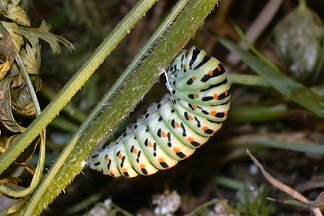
(171, 130)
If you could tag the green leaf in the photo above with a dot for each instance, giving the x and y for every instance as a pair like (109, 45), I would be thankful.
(288, 87)
(4, 68)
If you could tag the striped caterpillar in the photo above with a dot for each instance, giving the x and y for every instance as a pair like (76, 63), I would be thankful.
(171, 130)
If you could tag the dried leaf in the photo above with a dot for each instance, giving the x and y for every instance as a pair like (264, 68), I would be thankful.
(20, 96)
(4, 68)
(11, 10)
(15, 34)
(21, 164)
(7, 46)
(6, 115)
(31, 58)
(43, 32)
(10, 180)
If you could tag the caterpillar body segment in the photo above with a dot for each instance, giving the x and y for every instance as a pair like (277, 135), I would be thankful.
(171, 130)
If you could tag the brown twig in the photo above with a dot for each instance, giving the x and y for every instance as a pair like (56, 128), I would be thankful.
(314, 205)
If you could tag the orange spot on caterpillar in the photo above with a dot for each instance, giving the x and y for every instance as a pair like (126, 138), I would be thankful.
(196, 95)
(164, 134)
(215, 96)
(177, 125)
(161, 160)
(219, 68)
(205, 128)
(194, 106)
(176, 150)
(190, 117)
(210, 73)
(194, 78)
(142, 166)
(213, 113)
(124, 170)
(149, 144)
(190, 139)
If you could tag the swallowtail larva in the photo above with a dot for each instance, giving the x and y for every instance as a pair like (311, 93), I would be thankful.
(172, 129)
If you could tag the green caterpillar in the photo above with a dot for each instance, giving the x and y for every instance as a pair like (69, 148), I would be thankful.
(171, 130)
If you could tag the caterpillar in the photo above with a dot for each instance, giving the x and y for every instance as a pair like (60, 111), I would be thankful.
(172, 129)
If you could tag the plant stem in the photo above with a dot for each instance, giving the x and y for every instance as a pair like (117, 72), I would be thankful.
(70, 109)
(252, 113)
(229, 183)
(64, 124)
(247, 79)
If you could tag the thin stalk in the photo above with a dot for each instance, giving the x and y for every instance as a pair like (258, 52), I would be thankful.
(229, 183)
(70, 109)
(247, 79)
(64, 124)
(29, 84)
(75, 83)
(254, 113)
(204, 209)
(300, 145)
(259, 81)
(122, 211)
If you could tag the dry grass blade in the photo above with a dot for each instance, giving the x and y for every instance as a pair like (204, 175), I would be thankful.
(285, 188)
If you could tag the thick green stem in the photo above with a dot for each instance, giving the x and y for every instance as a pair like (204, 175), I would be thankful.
(76, 82)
